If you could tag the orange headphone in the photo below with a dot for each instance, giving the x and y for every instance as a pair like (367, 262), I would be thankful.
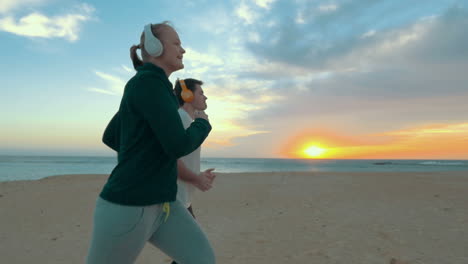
(186, 94)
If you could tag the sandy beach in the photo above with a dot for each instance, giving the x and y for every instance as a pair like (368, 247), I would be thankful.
(264, 218)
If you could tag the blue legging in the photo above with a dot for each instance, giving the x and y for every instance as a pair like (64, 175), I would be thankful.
(120, 232)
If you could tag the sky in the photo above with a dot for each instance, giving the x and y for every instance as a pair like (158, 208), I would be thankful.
(360, 79)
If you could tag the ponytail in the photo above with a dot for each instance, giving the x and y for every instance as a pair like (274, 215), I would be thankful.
(137, 62)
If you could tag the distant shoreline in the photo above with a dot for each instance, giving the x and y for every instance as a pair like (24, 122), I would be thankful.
(13, 168)
(277, 158)
(276, 173)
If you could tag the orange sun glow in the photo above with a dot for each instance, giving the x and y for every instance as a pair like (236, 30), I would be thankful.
(314, 151)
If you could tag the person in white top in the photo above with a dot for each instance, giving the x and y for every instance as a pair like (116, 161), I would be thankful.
(191, 99)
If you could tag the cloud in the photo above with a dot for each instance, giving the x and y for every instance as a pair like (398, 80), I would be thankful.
(355, 66)
(113, 85)
(227, 132)
(446, 34)
(102, 91)
(229, 109)
(369, 33)
(230, 100)
(11, 5)
(216, 20)
(316, 40)
(428, 141)
(432, 130)
(254, 37)
(246, 13)
(196, 58)
(37, 25)
(250, 11)
(127, 69)
(328, 8)
(198, 63)
(383, 62)
(266, 4)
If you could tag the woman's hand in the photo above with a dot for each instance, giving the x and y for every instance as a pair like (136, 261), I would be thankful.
(201, 114)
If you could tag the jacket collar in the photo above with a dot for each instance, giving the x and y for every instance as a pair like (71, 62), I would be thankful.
(156, 69)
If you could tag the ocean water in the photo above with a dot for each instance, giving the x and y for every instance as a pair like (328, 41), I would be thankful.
(36, 167)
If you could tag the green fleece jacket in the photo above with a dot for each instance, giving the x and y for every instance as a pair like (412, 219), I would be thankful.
(149, 137)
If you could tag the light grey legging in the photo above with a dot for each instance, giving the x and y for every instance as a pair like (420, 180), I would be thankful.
(120, 232)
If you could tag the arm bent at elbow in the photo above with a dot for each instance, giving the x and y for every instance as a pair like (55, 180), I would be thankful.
(202, 181)
(157, 105)
(111, 136)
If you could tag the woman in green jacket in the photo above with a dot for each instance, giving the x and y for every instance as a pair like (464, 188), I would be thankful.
(138, 202)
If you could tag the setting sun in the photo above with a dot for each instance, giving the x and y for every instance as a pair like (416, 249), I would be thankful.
(312, 145)
(314, 151)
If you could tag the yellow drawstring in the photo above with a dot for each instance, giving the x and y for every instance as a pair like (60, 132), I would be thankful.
(167, 210)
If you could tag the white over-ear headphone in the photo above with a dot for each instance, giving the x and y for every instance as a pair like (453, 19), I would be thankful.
(152, 44)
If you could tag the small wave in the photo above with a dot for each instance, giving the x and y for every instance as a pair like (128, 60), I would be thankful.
(441, 163)
(383, 163)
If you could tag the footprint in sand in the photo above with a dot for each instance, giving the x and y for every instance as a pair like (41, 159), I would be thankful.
(396, 261)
